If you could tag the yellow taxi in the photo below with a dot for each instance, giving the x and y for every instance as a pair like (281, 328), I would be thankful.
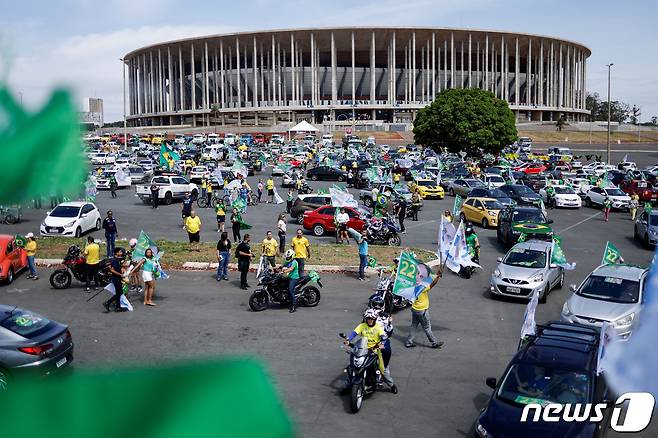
(484, 211)
(427, 189)
(156, 140)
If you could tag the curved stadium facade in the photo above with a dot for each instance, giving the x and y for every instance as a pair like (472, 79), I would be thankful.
(374, 75)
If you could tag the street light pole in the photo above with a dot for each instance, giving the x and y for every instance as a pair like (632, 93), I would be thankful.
(609, 68)
(125, 124)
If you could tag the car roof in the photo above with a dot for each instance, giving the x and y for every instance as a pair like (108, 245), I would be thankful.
(564, 345)
(73, 204)
(626, 272)
(481, 198)
(534, 245)
(6, 238)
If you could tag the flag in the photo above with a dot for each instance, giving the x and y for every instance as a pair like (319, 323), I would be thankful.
(372, 262)
(529, 326)
(607, 335)
(20, 240)
(405, 278)
(243, 224)
(123, 300)
(168, 157)
(218, 174)
(239, 168)
(239, 204)
(611, 255)
(458, 254)
(424, 278)
(277, 199)
(446, 236)
(457, 205)
(260, 266)
(558, 257)
(341, 198)
(42, 151)
(144, 242)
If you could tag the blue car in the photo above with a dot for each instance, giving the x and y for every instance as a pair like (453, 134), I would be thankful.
(557, 365)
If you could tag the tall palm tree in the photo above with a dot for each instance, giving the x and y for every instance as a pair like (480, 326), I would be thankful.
(214, 112)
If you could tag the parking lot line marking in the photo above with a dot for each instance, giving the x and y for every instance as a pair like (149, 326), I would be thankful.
(580, 223)
(420, 224)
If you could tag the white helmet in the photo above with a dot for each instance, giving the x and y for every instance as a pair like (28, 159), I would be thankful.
(133, 242)
(289, 255)
(370, 314)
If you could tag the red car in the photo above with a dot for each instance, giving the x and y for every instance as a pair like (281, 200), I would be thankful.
(13, 258)
(259, 138)
(532, 168)
(321, 220)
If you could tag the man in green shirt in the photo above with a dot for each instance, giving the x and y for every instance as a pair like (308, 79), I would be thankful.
(291, 267)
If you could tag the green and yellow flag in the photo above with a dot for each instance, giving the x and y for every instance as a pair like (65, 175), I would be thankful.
(611, 255)
(168, 157)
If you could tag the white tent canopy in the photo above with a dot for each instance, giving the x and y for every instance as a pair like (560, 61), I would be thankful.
(303, 126)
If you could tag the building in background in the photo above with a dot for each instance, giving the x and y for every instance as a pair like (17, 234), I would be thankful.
(377, 76)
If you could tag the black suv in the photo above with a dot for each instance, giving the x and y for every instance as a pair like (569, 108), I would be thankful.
(557, 365)
(304, 203)
(521, 194)
(515, 220)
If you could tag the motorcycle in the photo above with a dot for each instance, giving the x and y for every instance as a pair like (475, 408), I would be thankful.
(74, 266)
(274, 287)
(383, 231)
(384, 289)
(467, 271)
(304, 189)
(362, 372)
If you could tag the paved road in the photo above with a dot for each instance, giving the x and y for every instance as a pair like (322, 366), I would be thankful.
(441, 391)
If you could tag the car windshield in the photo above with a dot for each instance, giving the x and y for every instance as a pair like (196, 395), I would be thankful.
(426, 183)
(65, 211)
(525, 258)
(493, 205)
(534, 216)
(24, 323)
(523, 190)
(564, 191)
(614, 192)
(613, 289)
(653, 220)
(497, 193)
(531, 383)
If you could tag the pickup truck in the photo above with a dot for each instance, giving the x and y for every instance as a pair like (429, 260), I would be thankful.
(171, 187)
(643, 189)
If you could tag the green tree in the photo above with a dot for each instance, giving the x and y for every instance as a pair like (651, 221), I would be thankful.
(214, 112)
(635, 115)
(593, 103)
(471, 120)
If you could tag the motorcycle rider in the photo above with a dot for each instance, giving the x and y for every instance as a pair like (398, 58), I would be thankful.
(386, 321)
(415, 205)
(291, 267)
(472, 242)
(375, 336)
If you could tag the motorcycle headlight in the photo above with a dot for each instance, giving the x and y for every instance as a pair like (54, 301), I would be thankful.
(497, 273)
(481, 431)
(70, 224)
(536, 278)
(624, 321)
(358, 361)
(566, 311)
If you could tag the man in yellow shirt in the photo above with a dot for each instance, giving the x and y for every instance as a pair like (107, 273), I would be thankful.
(420, 316)
(302, 249)
(270, 190)
(270, 247)
(193, 228)
(31, 251)
(92, 255)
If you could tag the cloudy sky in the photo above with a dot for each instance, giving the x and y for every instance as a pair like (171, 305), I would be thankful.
(78, 43)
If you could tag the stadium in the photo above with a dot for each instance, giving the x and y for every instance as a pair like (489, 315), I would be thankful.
(376, 78)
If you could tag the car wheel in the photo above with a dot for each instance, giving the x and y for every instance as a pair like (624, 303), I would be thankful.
(78, 232)
(314, 177)
(451, 192)
(10, 276)
(394, 241)
(544, 296)
(4, 380)
(341, 179)
(561, 282)
(168, 199)
(98, 224)
(485, 223)
(318, 230)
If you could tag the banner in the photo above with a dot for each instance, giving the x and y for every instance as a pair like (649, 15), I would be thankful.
(405, 278)
(607, 335)
(558, 257)
(457, 205)
(340, 198)
(446, 235)
(458, 254)
(529, 326)
(144, 242)
(611, 255)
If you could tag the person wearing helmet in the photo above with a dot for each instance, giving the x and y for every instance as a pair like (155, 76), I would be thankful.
(386, 321)
(291, 269)
(472, 242)
(375, 336)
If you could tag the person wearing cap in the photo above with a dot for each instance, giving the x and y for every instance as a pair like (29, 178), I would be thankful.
(31, 250)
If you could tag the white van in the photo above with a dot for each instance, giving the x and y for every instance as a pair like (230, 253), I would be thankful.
(230, 139)
(198, 139)
(210, 152)
(213, 138)
(327, 139)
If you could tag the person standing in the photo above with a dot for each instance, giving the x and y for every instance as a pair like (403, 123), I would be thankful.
(607, 206)
(223, 255)
(31, 251)
(92, 260)
(155, 190)
(209, 194)
(149, 272)
(117, 277)
(401, 211)
(281, 231)
(193, 228)
(186, 207)
(350, 178)
(289, 201)
(260, 189)
(363, 255)
(420, 316)
(235, 225)
(269, 249)
(342, 218)
(244, 255)
(302, 249)
(633, 205)
(291, 268)
(113, 186)
(270, 189)
(220, 213)
(111, 233)
(204, 187)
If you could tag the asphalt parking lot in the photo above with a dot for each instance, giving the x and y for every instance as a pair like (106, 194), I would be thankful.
(441, 391)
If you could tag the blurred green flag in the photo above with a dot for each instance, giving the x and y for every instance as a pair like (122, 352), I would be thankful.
(42, 152)
(229, 398)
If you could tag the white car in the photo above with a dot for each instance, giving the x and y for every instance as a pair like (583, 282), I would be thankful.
(198, 173)
(230, 139)
(580, 185)
(596, 195)
(327, 139)
(564, 197)
(493, 181)
(198, 139)
(628, 165)
(213, 138)
(102, 158)
(122, 176)
(147, 165)
(71, 219)
(137, 174)
(180, 139)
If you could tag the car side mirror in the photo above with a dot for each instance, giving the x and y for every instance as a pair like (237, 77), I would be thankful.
(499, 259)
(572, 287)
(553, 266)
(491, 382)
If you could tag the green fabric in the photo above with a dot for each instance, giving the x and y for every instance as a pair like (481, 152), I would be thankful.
(167, 157)
(42, 151)
(144, 242)
(611, 255)
(295, 269)
(20, 240)
(227, 398)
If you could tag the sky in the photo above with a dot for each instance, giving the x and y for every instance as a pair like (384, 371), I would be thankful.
(79, 43)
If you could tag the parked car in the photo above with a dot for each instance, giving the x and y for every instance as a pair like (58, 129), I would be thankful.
(493, 180)
(122, 177)
(516, 220)
(645, 229)
(610, 293)
(71, 219)
(198, 173)
(564, 196)
(321, 220)
(31, 345)
(556, 365)
(527, 268)
(484, 211)
(427, 189)
(596, 196)
(522, 195)
(496, 194)
(645, 191)
(461, 187)
(532, 168)
(326, 173)
(13, 258)
(304, 203)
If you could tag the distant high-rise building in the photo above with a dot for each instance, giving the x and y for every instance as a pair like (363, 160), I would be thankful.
(96, 109)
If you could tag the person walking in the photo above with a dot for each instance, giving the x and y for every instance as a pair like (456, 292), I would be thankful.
(117, 277)
(633, 205)
(289, 200)
(92, 260)
(363, 255)
(269, 248)
(113, 186)
(111, 233)
(281, 231)
(270, 190)
(223, 255)
(220, 213)
(204, 187)
(260, 189)
(302, 249)
(244, 256)
(186, 207)
(235, 225)
(401, 211)
(31, 251)
(149, 272)
(607, 206)
(193, 228)
(155, 190)
(420, 316)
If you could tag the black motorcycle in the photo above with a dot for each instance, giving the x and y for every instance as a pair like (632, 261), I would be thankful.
(305, 189)
(75, 266)
(384, 289)
(274, 287)
(363, 375)
(467, 271)
(383, 231)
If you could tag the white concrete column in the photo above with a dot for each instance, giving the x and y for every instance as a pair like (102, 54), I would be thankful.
(413, 67)
(353, 72)
(433, 65)
(292, 69)
(517, 60)
(541, 73)
(222, 74)
(503, 85)
(334, 90)
(528, 84)
(206, 75)
(470, 60)
(478, 74)
(193, 78)
(461, 65)
(373, 76)
(428, 72)
(262, 75)
(561, 79)
(238, 71)
(279, 71)
(445, 64)
(452, 60)
(170, 76)
(255, 70)
(395, 72)
(422, 74)
(273, 71)
(486, 62)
